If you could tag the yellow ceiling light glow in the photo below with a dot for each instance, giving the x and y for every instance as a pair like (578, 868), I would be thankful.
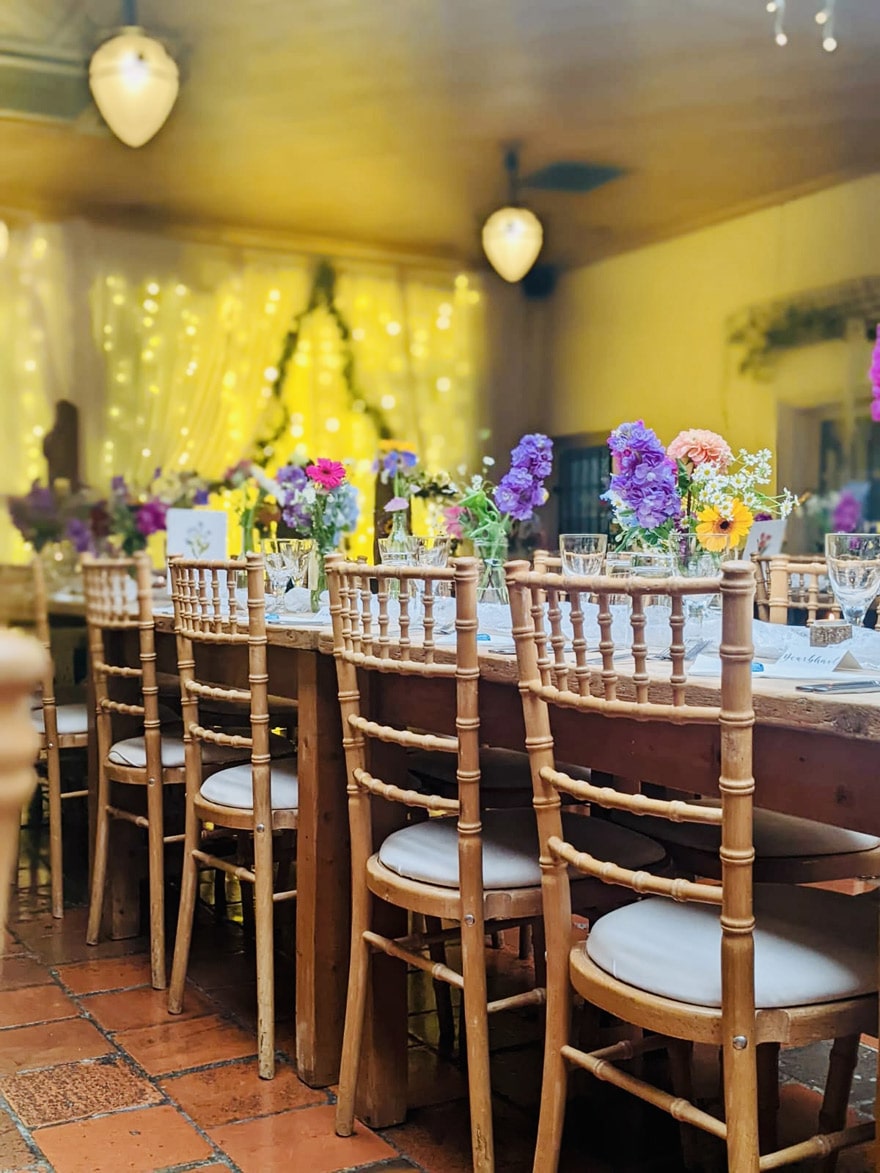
(134, 82)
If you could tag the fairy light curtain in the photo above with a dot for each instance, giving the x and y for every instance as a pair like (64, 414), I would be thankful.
(169, 350)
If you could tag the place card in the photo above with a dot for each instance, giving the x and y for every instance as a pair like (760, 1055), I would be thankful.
(809, 663)
(197, 533)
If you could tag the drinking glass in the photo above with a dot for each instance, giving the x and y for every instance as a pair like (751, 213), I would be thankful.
(430, 551)
(582, 554)
(286, 559)
(854, 570)
(693, 560)
(652, 564)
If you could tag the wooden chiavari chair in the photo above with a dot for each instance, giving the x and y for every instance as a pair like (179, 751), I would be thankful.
(24, 604)
(789, 584)
(24, 664)
(119, 599)
(255, 797)
(807, 971)
(477, 868)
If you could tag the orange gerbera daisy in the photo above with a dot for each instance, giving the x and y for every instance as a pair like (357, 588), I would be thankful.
(719, 533)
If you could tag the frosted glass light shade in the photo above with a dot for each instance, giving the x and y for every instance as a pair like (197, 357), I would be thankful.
(134, 83)
(512, 239)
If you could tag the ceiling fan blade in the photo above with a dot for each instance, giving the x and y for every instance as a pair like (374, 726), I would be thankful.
(571, 177)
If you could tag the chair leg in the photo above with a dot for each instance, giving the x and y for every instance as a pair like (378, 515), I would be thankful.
(156, 876)
(768, 1096)
(56, 865)
(99, 870)
(442, 992)
(189, 886)
(741, 1108)
(525, 941)
(475, 999)
(264, 925)
(832, 1115)
(359, 970)
(554, 1081)
(539, 946)
(681, 1074)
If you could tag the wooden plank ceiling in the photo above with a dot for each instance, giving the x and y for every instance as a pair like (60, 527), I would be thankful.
(381, 121)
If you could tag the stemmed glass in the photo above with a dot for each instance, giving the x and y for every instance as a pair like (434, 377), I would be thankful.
(693, 560)
(286, 559)
(582, 554)
(854, 570)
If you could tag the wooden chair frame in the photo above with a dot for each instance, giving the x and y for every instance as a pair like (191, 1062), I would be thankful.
(205, 613)
(24, 590)
(737, 1027)
(363, 645)
(774, 598)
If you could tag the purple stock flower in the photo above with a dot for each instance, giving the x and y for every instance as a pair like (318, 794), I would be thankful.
(534, 454)
(118, 486)
(519, 493)
(633, 441)
(847, 515)
(201, 497)
(79, 533)
(398, 460)
(655, 507)
(291, 476)
(151, 517)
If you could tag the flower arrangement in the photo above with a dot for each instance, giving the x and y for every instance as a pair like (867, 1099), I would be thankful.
(317, 501)
(120, 522)
(696, 485)
(398, 467)
(874, 376)
(487, 515)
(839, 512)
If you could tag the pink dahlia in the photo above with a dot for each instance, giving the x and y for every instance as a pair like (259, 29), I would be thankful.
(452, 516)
(329, 474)
(700, 446)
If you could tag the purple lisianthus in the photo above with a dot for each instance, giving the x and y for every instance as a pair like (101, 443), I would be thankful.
(847, 515)
(119, 487)
(519, 494)
(201, 497)
(396, 504)
(151, 517)
(533, 454)
(79, 533)
(398, 460)
(296, 515)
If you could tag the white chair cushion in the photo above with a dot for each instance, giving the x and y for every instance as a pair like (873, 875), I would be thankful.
(133, 751)
(70, 718)
(500, 769)
(233, 787)
(811, 946)
(428, 851)
(775, 836)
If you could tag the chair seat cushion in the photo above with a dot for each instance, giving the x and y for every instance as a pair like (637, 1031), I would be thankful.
(132, 751)
(233, 787)
(775, 836)
(428, 851)
(811, 946)
(70, 718)
(500, 769)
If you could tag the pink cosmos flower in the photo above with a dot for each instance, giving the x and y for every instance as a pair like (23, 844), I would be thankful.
(452, 519)
(700, 446)
(329, 474)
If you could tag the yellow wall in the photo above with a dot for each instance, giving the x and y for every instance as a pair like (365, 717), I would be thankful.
(643, 334)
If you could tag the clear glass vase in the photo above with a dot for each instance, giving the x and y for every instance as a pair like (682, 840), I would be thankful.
(491, 584)
(61, 568)
(317, 578)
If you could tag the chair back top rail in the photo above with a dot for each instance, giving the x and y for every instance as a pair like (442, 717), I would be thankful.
(793, 585)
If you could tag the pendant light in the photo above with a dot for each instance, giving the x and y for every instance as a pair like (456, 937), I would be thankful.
(134, 81)
(512, 236)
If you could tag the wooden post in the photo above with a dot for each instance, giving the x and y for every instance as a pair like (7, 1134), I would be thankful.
(23, 664)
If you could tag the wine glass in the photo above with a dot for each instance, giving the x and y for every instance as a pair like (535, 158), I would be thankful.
(693, 560)
(286, 559)
(582, 554)
(854, 570)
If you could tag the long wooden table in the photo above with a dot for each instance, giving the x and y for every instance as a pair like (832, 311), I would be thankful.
(815, 755)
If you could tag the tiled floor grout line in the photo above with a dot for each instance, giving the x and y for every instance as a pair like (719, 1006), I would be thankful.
(39, 1161)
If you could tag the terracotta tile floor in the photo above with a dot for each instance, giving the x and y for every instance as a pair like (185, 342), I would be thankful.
(95, 1077)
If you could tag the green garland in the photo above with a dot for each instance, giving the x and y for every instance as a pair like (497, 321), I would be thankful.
(763, 332)
(323, 295)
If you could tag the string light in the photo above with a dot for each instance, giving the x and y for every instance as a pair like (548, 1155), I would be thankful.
(824, 19)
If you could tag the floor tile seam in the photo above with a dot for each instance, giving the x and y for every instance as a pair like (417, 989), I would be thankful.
(37, 1021)
(100, 1115)
(381, 1133)
(266, 1115)
(25, 1133)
